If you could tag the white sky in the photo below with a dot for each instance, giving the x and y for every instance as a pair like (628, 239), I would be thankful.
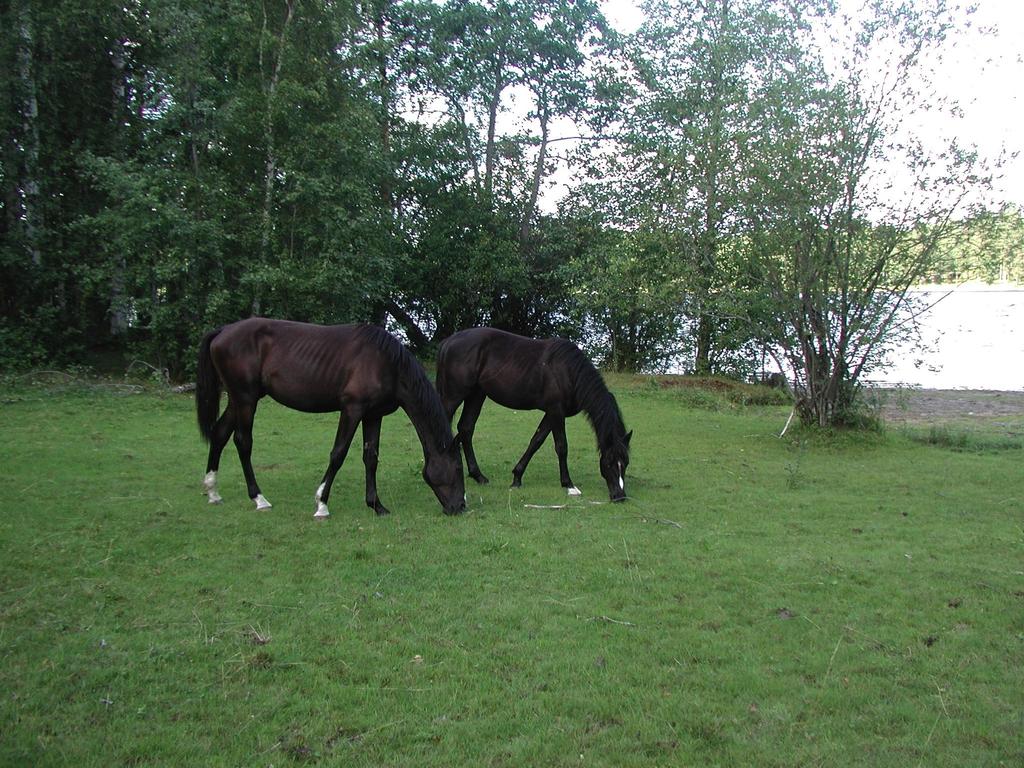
(987, 75)
(984, 73)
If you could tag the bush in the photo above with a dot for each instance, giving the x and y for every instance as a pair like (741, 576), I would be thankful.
(19, 349)
(708, 389)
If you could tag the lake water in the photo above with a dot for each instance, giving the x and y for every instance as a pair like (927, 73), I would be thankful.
(974, 337)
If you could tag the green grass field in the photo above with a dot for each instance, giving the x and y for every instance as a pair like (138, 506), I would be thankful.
(817, 600)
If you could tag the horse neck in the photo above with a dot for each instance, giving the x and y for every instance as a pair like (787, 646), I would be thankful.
(426, 416)
(603, 414)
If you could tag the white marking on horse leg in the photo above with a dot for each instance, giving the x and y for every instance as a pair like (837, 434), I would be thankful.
(574, 491)
(321, 508)
(262, 503)
(210, 488)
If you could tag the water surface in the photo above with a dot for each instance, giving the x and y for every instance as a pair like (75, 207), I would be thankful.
(973, 337)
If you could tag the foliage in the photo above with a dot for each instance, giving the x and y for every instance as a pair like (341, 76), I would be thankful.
(481, 250)
(772, 168)
(700, 76)
(19, 348)
(626, 298)
(990, 250)
(170, 165)
(276, 158)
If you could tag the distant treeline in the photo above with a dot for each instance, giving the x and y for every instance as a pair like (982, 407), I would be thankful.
(991, 250)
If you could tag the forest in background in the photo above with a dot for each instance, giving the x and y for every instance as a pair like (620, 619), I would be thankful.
(171, 165)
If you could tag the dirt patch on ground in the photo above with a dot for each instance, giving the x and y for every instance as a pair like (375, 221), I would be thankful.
(1003, 411)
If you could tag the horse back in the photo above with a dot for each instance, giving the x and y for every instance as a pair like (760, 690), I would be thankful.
(313, 368)
(514, 371)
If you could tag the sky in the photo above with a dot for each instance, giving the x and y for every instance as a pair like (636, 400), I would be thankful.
(985, 74)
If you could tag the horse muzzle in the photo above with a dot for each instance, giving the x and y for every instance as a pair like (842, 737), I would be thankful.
(455, 508)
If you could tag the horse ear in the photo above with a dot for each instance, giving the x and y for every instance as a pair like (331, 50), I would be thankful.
(629, 436)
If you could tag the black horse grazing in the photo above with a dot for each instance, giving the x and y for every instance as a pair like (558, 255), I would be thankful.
(550, 375)
(360, 370)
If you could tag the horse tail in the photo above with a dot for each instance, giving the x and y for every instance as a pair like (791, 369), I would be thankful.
(207, 388)
(441, 371)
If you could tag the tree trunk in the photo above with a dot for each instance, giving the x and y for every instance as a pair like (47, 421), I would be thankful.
(526, 225)
(707, 248)
(418, 340)
(467, 142)
(705, 338)
(491, 151)
(384, 85)
(270, 165)
(119, 112)
(29, 142)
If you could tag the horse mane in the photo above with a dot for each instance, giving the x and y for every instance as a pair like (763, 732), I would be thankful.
(592, 395)
(414, 379)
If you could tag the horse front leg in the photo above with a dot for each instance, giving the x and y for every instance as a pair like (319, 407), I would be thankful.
(371, 445)
(244, 416)
(467, 426)
(346, 429)
(562, 451)
(221, 434)
(535, 443)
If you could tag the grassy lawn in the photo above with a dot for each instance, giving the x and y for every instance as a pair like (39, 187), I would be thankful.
(844, 600)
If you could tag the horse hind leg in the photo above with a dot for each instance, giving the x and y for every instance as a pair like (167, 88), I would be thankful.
(321, 506)
(210, 488)
(221, 433)
(543, 429)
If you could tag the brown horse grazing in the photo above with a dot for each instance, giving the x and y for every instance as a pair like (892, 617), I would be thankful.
(360, 370)
(550, 375)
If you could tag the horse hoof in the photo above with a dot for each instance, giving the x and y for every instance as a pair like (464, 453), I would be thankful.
(573, 491)
(322, 513)
(480, 478)
(216, 499)
(381, 511)
(261, 503)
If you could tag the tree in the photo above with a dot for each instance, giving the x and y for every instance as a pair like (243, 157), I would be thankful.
(64, 84)
(834, 238)
(476, 209)
(697, 70)
(702, 66)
